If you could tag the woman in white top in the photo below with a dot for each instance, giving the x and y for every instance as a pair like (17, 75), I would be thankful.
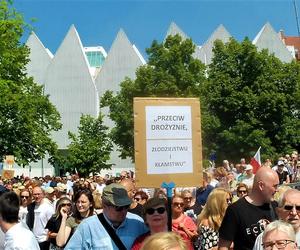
(25, 199)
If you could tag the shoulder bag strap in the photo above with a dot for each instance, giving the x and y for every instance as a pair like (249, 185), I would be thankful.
(111, 232)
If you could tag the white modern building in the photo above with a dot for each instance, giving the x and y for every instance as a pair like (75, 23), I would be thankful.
(75, 77)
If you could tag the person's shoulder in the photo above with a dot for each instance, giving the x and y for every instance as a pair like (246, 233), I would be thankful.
(90, 220)
(204, 222)
(239, 202)
(258, 242)
(134, 216)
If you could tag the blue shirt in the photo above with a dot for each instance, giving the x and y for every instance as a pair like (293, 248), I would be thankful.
(201, 196)
(91, 234)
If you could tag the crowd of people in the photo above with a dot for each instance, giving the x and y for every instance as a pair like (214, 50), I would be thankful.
(233, 208)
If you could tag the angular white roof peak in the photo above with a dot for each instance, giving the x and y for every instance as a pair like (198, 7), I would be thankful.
(205, 53)
(122, 61)
(39, 57)
(267, 38)
(70, 86)
(175, 30)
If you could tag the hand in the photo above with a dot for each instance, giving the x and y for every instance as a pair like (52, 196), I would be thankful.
(64, 213)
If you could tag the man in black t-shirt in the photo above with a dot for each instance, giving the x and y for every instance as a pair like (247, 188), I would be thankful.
(245, 219)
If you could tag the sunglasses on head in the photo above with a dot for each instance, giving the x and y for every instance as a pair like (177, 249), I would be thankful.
(121, 208)
(159, 210)
(290, 207)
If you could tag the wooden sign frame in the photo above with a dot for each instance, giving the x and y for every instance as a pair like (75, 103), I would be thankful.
(145, 177)
(7, 174)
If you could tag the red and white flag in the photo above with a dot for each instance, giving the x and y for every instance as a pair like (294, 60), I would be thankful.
(255, 161)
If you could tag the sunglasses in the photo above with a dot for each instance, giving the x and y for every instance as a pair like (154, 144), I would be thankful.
(159, 210)
(242, 191)
(23, 196)
(121, 208)
(178, 204)
(290, 207)
(137, 199)
(66, 204)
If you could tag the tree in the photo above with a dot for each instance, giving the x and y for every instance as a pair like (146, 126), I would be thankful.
(27, 117)
(253, 100)
(90, 150)
(171, 72)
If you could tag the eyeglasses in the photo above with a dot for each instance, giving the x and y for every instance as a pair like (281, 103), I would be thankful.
(178, 204)
(66, 204)
(121, 208)
(23, 196)
(280, 244)
(159, 210)
(290, 207)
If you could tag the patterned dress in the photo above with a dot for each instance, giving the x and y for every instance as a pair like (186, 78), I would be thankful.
(207, 239)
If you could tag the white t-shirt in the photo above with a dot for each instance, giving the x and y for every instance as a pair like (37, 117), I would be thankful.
(20, 238)
(1, 239)
(42, 214)
(22, 213)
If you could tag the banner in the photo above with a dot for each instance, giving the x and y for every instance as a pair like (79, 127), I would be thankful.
(167, 141)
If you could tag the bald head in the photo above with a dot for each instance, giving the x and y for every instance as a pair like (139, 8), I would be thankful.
(129, 186)
(265, 184)
(264, 174)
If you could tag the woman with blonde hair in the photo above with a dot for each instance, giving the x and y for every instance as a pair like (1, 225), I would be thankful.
(210, 218)
(54, 222)
(164, 241)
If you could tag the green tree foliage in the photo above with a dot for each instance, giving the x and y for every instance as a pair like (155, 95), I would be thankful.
(171, 72)
(253, 100)
(90, 150)
(27, 117)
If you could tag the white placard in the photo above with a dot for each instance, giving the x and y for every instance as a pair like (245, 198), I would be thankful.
(169, 139)
(169, 156)
(168, 122)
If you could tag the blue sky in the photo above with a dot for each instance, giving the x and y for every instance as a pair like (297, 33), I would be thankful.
(98, 21)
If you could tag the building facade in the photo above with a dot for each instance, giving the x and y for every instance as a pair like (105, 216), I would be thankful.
(76, 77)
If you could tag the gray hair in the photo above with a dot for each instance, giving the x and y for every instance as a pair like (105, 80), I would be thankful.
(282, 197)
(282, 226)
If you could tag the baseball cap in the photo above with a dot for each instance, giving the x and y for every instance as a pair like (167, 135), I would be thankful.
(49, 190)
(279, 163)
(116, 195)
(249, 167)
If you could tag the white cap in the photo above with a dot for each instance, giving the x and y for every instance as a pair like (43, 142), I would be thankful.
(249, 167)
